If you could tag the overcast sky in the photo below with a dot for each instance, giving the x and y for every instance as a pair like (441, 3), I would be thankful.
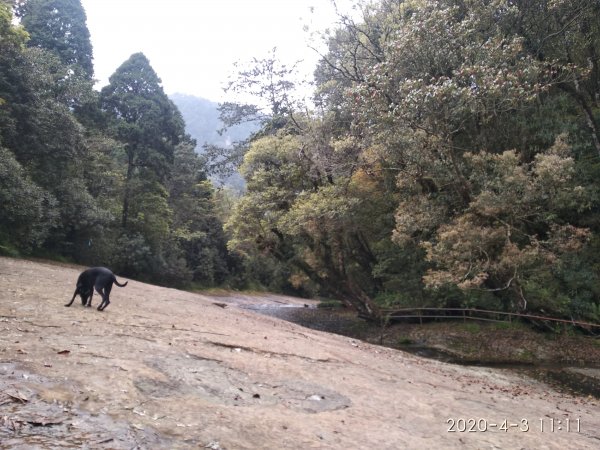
(192, 44)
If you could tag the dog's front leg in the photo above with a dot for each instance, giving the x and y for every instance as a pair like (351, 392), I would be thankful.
(89, 302)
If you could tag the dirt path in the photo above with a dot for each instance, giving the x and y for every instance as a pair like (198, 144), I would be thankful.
(161, 368)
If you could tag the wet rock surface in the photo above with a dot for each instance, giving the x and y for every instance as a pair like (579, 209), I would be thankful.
(567, 362)
(29, 419)
(161, 368)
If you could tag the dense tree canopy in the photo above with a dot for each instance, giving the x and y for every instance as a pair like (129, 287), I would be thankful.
(59, 26)
(146, 121)
(452, 160)
(101, 179)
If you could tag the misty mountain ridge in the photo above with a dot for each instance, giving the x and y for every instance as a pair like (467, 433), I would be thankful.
(203, 124)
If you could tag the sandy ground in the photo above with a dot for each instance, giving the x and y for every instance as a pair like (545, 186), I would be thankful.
(161, 368)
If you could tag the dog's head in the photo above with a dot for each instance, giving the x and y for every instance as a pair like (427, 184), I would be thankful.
(84, 292)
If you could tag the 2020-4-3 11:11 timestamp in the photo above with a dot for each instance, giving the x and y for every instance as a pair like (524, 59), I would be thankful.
(542, 424)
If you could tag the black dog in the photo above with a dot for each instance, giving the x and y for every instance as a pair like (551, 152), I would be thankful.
(100, 278)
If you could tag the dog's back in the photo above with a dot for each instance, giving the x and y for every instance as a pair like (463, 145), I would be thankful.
(86, 278)
(103, 276)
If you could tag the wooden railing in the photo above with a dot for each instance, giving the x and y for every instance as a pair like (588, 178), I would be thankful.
(475, 314)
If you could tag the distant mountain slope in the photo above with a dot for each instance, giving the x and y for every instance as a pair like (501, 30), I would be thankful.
(202, 121)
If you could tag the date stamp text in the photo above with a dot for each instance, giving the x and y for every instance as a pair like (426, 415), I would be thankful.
(542, 424)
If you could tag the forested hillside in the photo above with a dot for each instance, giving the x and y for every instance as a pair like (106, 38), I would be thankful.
(450, 157)
(103, 178)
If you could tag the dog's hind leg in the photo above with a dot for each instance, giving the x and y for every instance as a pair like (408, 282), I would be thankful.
(101, 305)
(104, 304)
(105, 293)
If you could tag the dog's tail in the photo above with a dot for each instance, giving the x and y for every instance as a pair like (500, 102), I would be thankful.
(119, 284)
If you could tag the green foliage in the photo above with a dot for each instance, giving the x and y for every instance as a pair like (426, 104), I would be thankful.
(133, 255)
(149, 126)
(449, 163)
(142, 116)
(27, 210)
(472, 328)
(167, 204)
(269, 81)
(37, 124)
(330, 303)
(12, 37)
(60, 27)
(71, 163)
(196, 227)
(513, 224)
(214, 142)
